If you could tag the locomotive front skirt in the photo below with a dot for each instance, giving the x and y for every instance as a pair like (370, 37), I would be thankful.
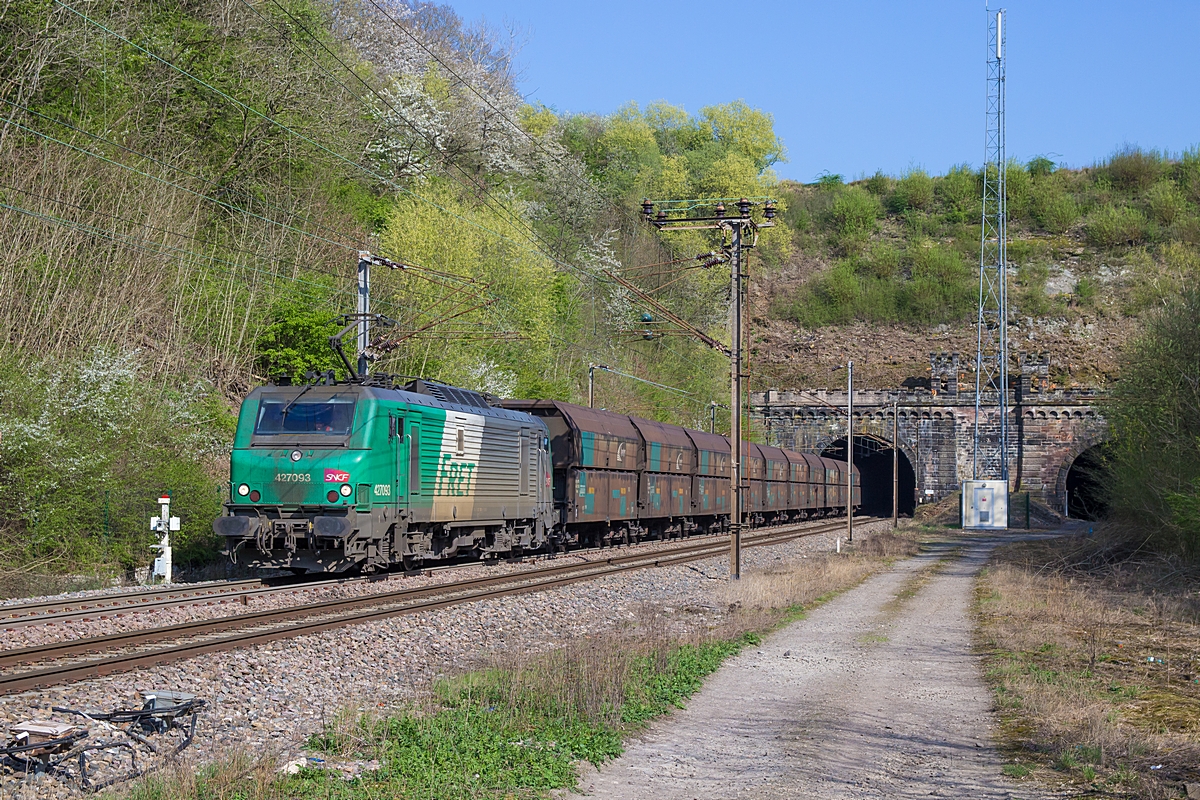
(346, 476)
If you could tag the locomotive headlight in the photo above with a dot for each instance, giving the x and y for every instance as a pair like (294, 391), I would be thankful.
(346, 490)
(243, 490)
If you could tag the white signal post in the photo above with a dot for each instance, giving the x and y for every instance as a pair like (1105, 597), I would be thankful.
(164, 524)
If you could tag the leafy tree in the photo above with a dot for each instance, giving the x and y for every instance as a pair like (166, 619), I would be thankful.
(297, 341)
(1153, 413)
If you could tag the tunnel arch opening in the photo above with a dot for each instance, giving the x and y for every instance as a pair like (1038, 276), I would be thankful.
(873, 457)
(1087, 484)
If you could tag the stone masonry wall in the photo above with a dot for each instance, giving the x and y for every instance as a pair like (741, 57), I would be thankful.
(1048, 428)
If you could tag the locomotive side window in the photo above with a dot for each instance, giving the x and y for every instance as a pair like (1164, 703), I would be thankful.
(461, 445)
(524, 462)
(414, 459)
(279, 414)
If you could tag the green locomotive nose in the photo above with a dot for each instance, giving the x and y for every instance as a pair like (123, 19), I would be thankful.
(299, 450)
(297, 476)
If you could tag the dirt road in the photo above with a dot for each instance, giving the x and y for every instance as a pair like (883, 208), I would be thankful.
(875, 695)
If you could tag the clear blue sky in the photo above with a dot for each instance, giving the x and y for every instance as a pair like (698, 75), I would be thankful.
(860, 86)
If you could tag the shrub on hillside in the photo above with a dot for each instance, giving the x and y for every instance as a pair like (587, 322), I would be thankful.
(1132, 169)
(1019, 188)
(1186, 229)
(913, 191)
(959, 194)
(942, 287)
(847, 291)
(1154, 417)
(1030, 299)
(1112, 226)
(854, 215)
(1187, 173)
(1086, 289)
(882, 260)
(1040, 166)
(1052, 207)
(1166, 202)
(878, 184)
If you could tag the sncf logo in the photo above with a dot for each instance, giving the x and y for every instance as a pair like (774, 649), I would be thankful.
(336, 476)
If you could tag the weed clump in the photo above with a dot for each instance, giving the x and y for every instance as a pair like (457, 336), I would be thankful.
(1113, 226)
(1090, 649)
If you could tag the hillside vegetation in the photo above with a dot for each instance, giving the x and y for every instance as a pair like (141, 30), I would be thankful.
(895, 261)
(184, 190)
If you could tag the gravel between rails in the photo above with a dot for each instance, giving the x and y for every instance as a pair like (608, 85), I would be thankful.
(122, 620)
(271, 697)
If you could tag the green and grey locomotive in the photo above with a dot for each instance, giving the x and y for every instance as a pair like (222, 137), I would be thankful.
(330, 477)
(368, 475)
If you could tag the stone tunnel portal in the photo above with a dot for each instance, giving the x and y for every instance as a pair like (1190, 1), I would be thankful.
(874, 461)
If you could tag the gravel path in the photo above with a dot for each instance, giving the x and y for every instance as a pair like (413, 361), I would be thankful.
(875, 695)
(269, 698)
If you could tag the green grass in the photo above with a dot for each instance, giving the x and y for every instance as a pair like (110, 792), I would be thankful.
(511, 732)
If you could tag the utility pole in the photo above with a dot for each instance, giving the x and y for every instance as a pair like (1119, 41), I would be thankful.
(737, 226)
(896, 463)
(362, 316)
(712, 417)
(735, 407)
(850, 452)
(592, 385)
(364, 311)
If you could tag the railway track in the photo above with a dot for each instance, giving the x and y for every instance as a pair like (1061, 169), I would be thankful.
(119, 652)
(23, 614)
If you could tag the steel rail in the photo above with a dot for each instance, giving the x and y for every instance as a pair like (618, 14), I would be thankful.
(98, 644)
(21, 615)
(458, 593)
(157, 601)
(120, 601)
(69, 610)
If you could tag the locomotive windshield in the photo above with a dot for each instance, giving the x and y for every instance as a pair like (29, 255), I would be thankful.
(331, 416)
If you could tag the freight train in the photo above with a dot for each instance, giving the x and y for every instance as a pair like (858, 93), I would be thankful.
(369, 475)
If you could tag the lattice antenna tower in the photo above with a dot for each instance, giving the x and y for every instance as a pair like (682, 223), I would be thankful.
(991, 360)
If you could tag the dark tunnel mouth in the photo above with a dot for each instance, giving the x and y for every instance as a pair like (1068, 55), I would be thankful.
(1087, 497)
(874, 461)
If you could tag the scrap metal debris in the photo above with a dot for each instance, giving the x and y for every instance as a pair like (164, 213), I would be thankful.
(48, 746)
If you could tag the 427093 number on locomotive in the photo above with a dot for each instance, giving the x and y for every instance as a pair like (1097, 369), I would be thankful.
(369, 475)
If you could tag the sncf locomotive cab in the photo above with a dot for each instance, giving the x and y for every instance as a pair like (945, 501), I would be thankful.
(312, 478)
(328, 478)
